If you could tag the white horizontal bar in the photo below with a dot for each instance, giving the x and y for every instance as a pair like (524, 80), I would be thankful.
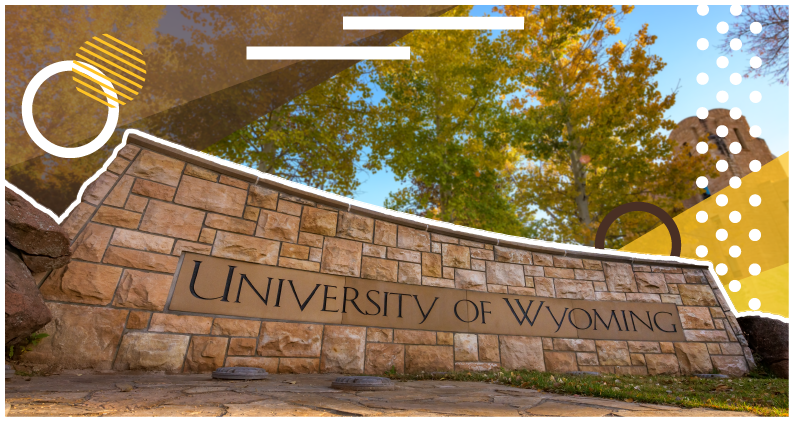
(429, 22)
(328, 53)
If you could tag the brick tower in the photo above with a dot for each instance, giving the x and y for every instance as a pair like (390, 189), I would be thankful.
(692, 130)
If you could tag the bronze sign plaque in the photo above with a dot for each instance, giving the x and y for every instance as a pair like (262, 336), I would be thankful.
(218, 286)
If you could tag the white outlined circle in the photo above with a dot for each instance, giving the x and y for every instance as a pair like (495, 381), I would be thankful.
(40, 140)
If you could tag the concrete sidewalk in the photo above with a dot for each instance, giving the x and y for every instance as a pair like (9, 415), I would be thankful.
(150, 394)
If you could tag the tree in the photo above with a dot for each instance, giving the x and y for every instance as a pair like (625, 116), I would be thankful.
(591, 119)
(444, 130)
(316, 139)
(771, 44)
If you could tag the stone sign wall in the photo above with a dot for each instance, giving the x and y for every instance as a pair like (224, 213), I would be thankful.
(125, 301)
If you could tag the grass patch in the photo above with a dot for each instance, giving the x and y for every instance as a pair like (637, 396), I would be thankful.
(762, 396)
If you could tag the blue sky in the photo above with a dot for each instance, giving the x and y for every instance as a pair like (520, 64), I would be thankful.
(678, 28)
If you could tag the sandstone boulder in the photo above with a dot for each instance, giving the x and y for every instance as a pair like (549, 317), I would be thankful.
(768, 339)
(25, 308)
(42, 243)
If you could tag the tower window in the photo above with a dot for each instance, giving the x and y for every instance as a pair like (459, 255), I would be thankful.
(741, 139)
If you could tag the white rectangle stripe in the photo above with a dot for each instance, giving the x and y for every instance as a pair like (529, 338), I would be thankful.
(328, 53)
(431, 22)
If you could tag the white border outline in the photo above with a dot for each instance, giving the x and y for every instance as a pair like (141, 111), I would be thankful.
(433, 23)
(384, 211)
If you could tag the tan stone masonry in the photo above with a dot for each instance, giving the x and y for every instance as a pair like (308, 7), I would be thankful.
(137, 219)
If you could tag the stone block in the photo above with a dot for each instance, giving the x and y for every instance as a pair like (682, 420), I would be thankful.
(667, 347)
(298, 366)
(317, 221)
(669, 270)
(242, 346)
(495, 288)
(619, 277)
(731, 349)
(504, 273)
(488, 347)
(271, 365)
(472, 244)
(143, 290)
(637, 359)
(431, 264)
(207, 235)
(564, 262)
(385, 234)
(533, 271)
(382, 357)
(643, 297)
(414, 337)
(650, 282)
(696, 295)
(470, 280)
(544, 287)
(600, 286)
(428, 359)
(129, 151)
(159, 218)
(438, 282)
(542, 259)
(415, 240)
(693, 358)
(734, 366)
(91, 244)
(298, 264)
(76, 219)
(182, 246)
(613, 353)
(448, 272)
(290, 339)
(466, 347)
(586, 358)
(435, 247)
(205, 354)
(403, 255)
(226, 180)
(138, 320)
(184, 324)
(230, 224)
(295, 251)
(644, 347)
(590, 264)
(611, 296)
(574, 289)
(251, 213)
(79, 337)
(445, 339)
(262, 197)
(215, 197)
(136, 203)
(117, 217)
(676, 299)
(142, 260)
(355, 227)
(574, 345)
(82, 282)
(674, 278)
(482, 254)
(278, 226)
(234, 327)
(343, 349)
(153, 190)
(157, 167)
(290, 208)
(342, 257)
(515, 256)
(523, 291)
(374, 250)
(558, 272)
(379, 269)
(410, 273)
(151, 352)
(705, 335)
(714, 348)
(435, 237)
(455, 256)
(119, 165)
(592, 275)
(316, 241)
(695, 317)
(100, 187)
(201, 173)
(245, 248)
(520, 352)
(379, 335)
(560, 362)
(142, 241)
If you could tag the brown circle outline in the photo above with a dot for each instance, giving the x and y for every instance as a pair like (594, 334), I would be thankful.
(672, 228)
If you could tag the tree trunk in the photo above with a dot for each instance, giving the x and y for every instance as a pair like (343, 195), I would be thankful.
(580, 181)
